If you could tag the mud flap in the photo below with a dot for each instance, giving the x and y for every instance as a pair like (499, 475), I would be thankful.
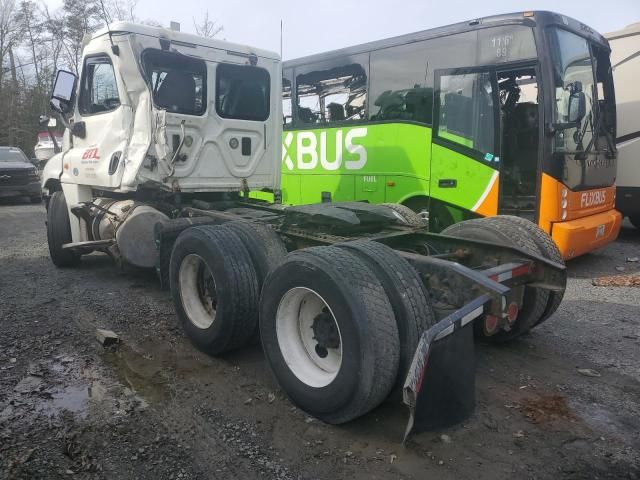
(440, 386)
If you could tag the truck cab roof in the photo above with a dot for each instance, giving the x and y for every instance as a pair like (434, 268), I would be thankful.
(176, 37)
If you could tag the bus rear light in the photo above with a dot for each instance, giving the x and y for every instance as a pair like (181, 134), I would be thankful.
(564, 193)
(564, 204)
(528, 14)
(564, 215)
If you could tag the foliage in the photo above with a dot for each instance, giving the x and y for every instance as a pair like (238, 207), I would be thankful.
(35, 42)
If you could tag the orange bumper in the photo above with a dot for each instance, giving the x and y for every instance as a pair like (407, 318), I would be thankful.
(579, 236)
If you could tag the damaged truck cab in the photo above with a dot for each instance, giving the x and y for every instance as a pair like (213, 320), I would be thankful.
(158, 111)
(166, 136)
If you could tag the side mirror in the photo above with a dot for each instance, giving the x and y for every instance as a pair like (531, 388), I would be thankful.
(577, 107)
(63, 90)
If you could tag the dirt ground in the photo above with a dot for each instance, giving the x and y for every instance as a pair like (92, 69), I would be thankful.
(563, 402)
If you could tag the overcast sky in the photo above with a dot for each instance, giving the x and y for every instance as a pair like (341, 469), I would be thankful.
(316, 26)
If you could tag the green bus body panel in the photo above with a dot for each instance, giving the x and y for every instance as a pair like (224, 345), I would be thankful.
(472, 177)
(385, 162)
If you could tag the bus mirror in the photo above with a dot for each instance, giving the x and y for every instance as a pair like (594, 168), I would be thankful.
(577, 107)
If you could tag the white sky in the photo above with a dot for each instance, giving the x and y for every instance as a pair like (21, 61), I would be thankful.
(316, 26)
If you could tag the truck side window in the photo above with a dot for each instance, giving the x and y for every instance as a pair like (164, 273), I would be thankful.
(178, 82)
(99, 90)
(242, 92)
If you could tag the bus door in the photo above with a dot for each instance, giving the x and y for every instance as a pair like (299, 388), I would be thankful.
(465, 150)
(520, 141)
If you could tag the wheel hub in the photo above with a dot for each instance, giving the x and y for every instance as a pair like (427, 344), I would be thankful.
(325, 333)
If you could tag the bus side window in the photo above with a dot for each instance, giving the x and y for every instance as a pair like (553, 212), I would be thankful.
(287, 112)
(399, 88)
(332, 92)
(466, 111)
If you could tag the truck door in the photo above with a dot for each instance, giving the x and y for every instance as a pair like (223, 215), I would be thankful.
(100, 125)
(465, 147)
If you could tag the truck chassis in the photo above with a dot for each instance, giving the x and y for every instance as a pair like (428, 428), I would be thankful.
(466, 286)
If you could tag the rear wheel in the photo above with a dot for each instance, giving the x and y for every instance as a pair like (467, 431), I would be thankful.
(409, 298)
(265, 247)
(329, 333)
(535, 299)
(547, 247)
(59, 232)
(408, 216)
(214, 288)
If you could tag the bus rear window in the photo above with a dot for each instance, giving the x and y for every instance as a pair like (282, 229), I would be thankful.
(242, 92)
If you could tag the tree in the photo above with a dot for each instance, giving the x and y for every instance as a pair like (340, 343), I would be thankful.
(207, 28)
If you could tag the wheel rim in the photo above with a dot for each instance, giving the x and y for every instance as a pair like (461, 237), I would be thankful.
(197, 291)
(309, 337)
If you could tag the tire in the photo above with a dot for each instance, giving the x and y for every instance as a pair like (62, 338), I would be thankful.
(635, 221)
(409, 297)
(547, 247)
(352, 367)
(265, 247)
(37, 199)
(407, 215)
(535, 299)
(266, 250)
(210, 269)
(59, 232)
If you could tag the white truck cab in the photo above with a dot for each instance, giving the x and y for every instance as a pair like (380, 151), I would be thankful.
(160, 112)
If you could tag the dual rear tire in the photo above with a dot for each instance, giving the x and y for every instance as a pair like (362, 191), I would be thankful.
(339, 325)
(538, 304)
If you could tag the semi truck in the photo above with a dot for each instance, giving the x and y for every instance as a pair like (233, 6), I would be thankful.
(167, 134)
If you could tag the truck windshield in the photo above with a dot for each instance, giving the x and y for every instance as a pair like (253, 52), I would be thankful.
(573, 73)
(7, 156)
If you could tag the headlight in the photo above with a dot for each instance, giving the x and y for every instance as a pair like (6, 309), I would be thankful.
(34, 172)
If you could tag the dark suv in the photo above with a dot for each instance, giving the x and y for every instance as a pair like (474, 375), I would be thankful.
(18, 176)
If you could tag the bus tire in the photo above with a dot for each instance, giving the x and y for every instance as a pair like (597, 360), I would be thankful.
(329, 334)
(407, 215)
(409, 298)
(635, 221)
(59, 232)
(214, 288)
(547, 247)
(535, 299)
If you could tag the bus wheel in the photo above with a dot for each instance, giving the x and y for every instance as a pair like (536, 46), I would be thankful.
(214, 288)
(329, 333)
(535, 299)
(408, 216)
(409, 298)
(59, 232)
(520, 228)
(635, 221)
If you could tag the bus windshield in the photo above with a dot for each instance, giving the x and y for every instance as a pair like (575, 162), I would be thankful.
(573, 65)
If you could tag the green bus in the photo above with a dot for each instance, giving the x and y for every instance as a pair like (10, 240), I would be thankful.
(511, 114)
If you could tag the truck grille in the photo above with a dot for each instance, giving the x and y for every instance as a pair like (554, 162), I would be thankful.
(14, 177)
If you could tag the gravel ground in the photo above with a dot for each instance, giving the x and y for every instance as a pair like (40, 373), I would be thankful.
(155, 408)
